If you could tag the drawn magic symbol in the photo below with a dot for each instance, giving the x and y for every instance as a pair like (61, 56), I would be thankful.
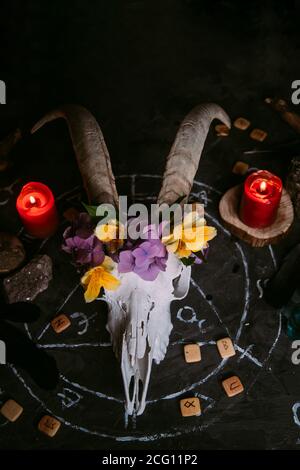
(84, 322)
(203, 198)
(188, 404)
(71, 400)
(193, 316)
(295, 409)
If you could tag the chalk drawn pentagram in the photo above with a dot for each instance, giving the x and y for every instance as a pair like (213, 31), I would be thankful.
(200, 317)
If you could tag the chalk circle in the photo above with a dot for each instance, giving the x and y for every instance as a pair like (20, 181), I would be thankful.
(199, 189)
(187, 314)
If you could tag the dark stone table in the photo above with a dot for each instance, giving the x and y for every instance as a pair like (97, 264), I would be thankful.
(140, 67)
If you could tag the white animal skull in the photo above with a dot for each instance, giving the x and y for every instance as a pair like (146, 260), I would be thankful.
(139, 322)
(139, 318)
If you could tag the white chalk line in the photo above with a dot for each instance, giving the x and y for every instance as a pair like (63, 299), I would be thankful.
(42, 244)
(269, 353)
(295, 408)
(246, 293)
(273, 256)
(43, 331)
(92, 392)
(68, 297)
(27, 331)
(192, 386)
(176, 394)
(73, 346)
(147, 175)
(58, 310)
(243, 351)
(85, 430)
(166, 397)
(198, 288)
(186, 389)
(260, 288)
(247, 285)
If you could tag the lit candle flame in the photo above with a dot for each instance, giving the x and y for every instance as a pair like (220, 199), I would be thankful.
(32, 200)
(263, 186)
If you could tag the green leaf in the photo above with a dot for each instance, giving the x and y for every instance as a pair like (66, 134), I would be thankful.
(187, 261)
(91, 210)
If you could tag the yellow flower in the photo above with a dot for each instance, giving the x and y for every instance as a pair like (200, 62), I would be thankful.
(191, 236)
(112, 233)
(99, 277)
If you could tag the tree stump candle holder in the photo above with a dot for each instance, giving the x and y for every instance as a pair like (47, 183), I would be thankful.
(229, 211)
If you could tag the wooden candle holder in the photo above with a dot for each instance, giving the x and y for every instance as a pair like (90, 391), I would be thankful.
(258, 237)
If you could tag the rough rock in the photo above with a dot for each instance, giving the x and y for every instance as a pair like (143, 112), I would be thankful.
(30, 281)
(293, 184)
(12, 253)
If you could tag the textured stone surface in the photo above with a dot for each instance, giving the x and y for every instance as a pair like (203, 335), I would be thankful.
(293, 183)
(33, 279)
(12, 253)
(160, 59)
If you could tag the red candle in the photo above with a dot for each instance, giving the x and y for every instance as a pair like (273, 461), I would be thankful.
(260, 200)
(36, 208)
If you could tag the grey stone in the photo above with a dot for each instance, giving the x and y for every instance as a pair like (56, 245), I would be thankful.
(12, 253)
(30, 281)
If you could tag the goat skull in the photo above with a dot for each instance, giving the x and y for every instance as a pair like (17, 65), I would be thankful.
(139, 319)
(140, 324)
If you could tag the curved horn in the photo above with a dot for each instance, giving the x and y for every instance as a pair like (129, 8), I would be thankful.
(91, 152)
(183, 159)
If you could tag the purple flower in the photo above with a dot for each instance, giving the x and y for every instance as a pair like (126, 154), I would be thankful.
(80, 241)
(147, 258)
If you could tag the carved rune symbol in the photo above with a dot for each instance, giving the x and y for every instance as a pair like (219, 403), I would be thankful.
(188, 404)
(234, 385)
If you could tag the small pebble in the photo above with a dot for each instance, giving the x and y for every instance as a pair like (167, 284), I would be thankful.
(190, 407)
(240, 168)
(225, 347)
(222, 130)
(11, 410)
(258, 134)
(60, 323)
(233, 386)
(192, 353)
(49, 425)
(29, 281)
(241, 123)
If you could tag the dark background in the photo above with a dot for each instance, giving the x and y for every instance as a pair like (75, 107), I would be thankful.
(139, 67)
